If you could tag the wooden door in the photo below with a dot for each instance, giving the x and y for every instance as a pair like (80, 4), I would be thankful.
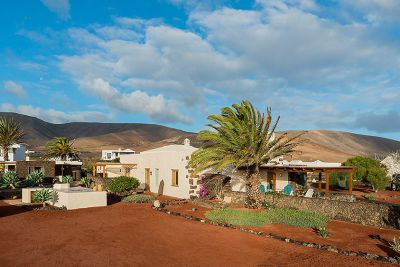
(147, 178)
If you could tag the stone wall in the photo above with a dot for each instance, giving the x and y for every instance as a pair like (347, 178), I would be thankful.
(362, 212)
(48, 166)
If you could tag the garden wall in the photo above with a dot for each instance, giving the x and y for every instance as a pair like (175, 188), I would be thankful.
(362, 212)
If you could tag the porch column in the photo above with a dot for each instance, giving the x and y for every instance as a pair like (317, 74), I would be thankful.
(104, 171)
(320, 181)
(326, 183)
(351, 182)
(274, 180)
(94, 169)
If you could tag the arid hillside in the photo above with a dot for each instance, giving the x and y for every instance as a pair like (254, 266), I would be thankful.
(90, 138)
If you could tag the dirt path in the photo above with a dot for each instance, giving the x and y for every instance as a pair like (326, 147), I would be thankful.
(135, 235)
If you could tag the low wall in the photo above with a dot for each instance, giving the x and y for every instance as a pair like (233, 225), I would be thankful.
(362, 212)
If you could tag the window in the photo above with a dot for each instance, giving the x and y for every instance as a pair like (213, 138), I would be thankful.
(35, 168)
(175, 177)
(108, 155)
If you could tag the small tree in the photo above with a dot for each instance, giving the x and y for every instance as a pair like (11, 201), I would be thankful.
(43, 196)
(9, 180)
(62, 148)
(369, 171)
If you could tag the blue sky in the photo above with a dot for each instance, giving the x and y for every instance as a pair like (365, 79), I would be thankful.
(318, 64)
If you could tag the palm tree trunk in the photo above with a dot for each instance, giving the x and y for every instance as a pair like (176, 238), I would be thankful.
(253, 198)
(5, 153)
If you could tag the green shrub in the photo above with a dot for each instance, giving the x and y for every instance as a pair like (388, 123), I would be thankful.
(239, 217)
(323, 232)
(67, 179)
(369, 171)
(277, 215)
(298, 218)
(9, 180)
(34, 178)
(122, 184)
(43, 196)
(395, 245)
(139, 198)
(369, 197)
(85, 181)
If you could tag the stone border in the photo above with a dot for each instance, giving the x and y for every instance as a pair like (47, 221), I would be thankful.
(361, 254)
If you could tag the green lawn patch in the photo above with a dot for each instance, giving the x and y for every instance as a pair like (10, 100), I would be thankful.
(258, 218)
(139, 198)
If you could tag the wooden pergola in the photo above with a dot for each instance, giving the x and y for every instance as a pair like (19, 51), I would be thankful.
(105, 164)
(326, 170)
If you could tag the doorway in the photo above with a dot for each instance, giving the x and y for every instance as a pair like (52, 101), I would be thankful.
(147, 178)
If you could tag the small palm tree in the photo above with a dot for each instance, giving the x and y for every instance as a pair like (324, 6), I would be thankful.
(242, 137)
(60, 147)
(10, 133)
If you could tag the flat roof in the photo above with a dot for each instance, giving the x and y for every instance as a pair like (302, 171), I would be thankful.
(300, 168)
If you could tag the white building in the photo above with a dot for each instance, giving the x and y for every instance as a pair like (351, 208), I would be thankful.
(15, 152)
(168, 164)
(112, 154)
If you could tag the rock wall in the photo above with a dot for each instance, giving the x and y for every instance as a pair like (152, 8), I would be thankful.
(49, 167)
(362, 212)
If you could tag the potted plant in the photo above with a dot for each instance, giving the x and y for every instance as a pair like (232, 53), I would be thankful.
(65, 183)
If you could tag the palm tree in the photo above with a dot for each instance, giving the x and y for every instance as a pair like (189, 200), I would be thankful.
(10, 133)
(60, 147)
(242, 138)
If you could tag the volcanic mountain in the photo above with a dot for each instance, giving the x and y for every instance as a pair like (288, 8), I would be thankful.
(91, 137)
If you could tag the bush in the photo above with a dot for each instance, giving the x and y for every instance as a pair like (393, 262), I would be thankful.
(139, 198)
(34, 178)
(67, 179)
(43, 196)
(369, 171)
(9, 180)
(282, 216)
(122, 184)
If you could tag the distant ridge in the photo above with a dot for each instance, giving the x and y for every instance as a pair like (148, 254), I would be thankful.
(92, 137)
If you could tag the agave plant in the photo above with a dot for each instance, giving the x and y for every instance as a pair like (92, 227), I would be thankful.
(85, 181)
(395, 245)
(43, 196)
(9, 180)
(34, 178)
(67, 179)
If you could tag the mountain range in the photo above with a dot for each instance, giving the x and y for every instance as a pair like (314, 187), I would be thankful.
(91, 137)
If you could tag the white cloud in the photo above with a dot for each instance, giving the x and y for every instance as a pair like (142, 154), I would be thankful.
(15, 89)
(60, 7)
(286, 54)
(56, 116)
(135, 102)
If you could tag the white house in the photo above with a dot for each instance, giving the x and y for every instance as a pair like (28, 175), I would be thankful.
(112, 154)
(168, 164)
(15, 152)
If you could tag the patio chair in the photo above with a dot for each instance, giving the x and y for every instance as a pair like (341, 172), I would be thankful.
(309, 193)
(288, 190)
(262, 188)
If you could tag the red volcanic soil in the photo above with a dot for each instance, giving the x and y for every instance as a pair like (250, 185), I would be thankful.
(134, 235)
(344, 235)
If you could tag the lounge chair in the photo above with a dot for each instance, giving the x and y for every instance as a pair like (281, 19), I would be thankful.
(309, 193)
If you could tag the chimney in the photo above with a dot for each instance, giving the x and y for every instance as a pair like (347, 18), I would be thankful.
(186, 142)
